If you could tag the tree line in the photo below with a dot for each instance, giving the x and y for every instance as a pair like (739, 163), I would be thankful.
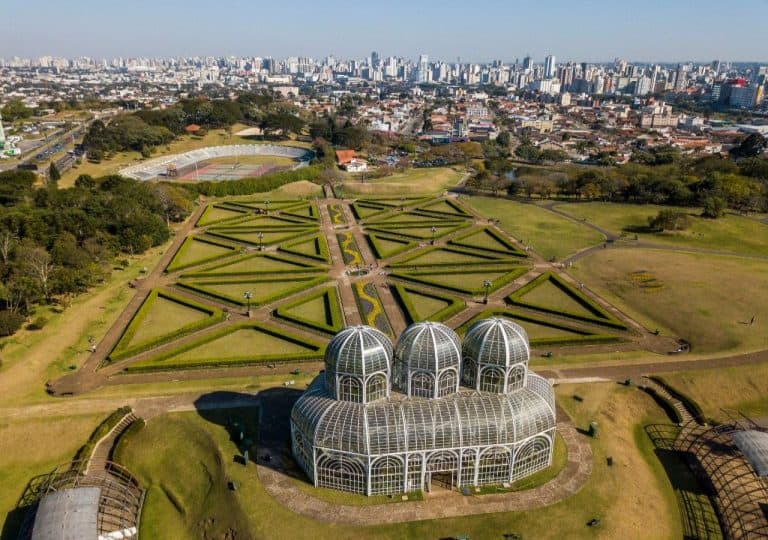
(56, 243)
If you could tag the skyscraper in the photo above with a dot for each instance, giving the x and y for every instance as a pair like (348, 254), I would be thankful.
(374, 59)
(527, 62)
(549, 67)
(423, 70)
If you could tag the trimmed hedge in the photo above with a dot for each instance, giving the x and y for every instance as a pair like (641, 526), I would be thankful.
(261, 184)
(400, 230)
(378, 251)
(202, 221)
(333, 311)
(411, 314)
(211, 271)
(321, 245)
(251, 223)
(600, 316)
(449, 202)
(172, 267)
(302, 282)
(311, 214)
(583, 337)
(457, 241)
(226, 234)
(317, 351)
(357, 210)
(688, 402)
(489, 258)
(118, 353)
(420, 277)
(106, 425)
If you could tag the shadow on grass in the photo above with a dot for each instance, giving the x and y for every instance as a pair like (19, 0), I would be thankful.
(258, 424)
(697, 513)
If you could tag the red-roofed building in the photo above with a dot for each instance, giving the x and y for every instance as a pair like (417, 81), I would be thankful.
(344, 156)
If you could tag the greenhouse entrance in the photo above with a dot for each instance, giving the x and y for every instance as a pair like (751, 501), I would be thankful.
(437, 480)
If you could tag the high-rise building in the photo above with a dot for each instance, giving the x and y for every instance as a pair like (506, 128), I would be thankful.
(375, 60)
(681, 77)
(527, 62)
(423, 74)
(549, 67)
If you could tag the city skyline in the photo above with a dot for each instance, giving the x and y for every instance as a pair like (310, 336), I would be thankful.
(595, 31)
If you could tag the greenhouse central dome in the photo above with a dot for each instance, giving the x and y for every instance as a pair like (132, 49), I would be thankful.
(350, 431)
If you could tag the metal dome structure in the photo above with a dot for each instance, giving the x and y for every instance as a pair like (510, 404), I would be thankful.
(428, 360)
(358, 364)
(400, 442)
(496, 354)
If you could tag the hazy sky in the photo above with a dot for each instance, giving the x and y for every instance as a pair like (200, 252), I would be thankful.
(475, 30)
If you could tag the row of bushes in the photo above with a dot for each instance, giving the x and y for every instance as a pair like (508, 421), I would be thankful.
(321, 252)
(600, 316)
(511, 249)
(176, 263)
(489, 259)
(582, 337)
(424, 278)
(228, 234)
(106, 425)
(157, 363)
(333, 315)
(410, 311)
(261, 184)
(406, 229)
(123, 350)
(205, 219)
(458, 209)
(311, 212)
(211, 271)
(358, 209)
(253, 224)
(378, 249)
(301, 283)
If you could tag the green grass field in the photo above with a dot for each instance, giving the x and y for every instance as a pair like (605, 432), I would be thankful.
(708, 300)
(412, 181)
(549, 295)
(548, 234)
(612, 493)
(730, 233)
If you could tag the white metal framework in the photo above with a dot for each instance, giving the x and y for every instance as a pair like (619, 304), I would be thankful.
(351, 433)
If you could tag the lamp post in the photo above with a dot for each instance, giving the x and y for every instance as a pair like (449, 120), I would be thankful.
(434, 230)
(266, 207)
(487, 284)
(260, 235)
(248, 295)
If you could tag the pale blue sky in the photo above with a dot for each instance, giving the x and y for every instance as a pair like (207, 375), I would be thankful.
(476, 30)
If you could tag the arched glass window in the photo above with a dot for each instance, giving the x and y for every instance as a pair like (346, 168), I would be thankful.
(492, 380)
(376, 388)
(516, 378)
(531, 457)
(495, 466)
(422, 385)
(341, 472)
(386, 476)
(469, 372)
(447, 383)
(350, 389)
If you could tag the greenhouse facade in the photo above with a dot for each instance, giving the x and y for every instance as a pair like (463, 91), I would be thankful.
(432, 411)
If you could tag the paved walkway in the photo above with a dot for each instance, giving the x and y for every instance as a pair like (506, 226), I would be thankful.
(567, 483)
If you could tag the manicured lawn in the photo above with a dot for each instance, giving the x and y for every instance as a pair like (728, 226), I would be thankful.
(549, 295)
(706, 299)
(427, 305)
(466, 280)
(731, 233)
(411, 181)
(165, 316)
(253, 264)
(256, 237)
(548, 234)
(613, 494)
(213, 214)
(742, 388)
(232, 345)
(196, 251)
(442, 256)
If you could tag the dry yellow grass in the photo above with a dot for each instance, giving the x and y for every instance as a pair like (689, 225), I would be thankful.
(706, 299)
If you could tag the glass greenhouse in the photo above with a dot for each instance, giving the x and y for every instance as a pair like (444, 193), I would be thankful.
(430, 411)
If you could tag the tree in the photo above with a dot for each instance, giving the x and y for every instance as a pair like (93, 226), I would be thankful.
(528, 152)
(36, 264)
(504, 139)
(53, 174)
(8, 240)
(15, 110)
(669, 220)
(714, 207)
(752, 146)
